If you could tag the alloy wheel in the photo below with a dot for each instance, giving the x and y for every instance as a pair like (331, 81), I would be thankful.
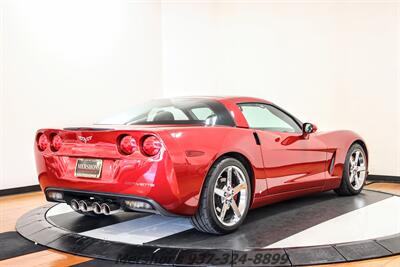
(357, 169)
(230, 195)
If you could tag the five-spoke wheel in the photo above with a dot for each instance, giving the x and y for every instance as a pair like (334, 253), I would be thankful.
(355, 171)
(230, 195)
(225, 198)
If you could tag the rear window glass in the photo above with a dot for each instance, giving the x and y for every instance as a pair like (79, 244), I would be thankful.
(174, 111)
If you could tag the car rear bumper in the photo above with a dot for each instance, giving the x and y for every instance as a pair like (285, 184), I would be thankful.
(152, 180)
(119, 199)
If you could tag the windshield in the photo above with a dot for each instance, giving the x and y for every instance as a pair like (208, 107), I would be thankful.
(174, 111)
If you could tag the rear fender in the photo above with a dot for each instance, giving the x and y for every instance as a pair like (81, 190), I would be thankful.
(194, 150)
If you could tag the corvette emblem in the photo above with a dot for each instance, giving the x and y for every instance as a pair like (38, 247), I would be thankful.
(85, 139)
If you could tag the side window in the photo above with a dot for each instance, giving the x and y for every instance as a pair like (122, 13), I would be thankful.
(267, 117)
(166, 114)
(202, 113)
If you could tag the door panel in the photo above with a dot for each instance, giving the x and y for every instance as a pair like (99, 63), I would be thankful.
(292, 162)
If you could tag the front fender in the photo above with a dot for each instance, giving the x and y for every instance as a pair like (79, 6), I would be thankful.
(338, 144)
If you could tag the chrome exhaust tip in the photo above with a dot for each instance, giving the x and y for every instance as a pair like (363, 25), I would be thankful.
(109, 209)
(85, 206)
(96, 208)
(75, 205)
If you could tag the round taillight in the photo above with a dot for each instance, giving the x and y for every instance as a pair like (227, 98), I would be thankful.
(56, 142)
(128, 144)
(43, 142)
(151, 146)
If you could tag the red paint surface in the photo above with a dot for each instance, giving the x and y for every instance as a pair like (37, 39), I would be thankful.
(285, 165)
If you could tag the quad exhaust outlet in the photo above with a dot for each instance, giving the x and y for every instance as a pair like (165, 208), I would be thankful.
(85, 206)
(109, 209)
(75, 205)
(96, 207)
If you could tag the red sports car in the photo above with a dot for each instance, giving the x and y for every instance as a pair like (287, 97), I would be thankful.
(210, 158)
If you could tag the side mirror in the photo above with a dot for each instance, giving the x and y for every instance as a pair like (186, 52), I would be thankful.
(309, 128)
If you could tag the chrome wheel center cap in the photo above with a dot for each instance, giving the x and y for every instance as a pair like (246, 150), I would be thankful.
(229, 195)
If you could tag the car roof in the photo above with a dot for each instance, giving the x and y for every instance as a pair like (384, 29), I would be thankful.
(235, 99)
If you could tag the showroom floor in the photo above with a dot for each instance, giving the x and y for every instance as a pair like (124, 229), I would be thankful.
(13, 207)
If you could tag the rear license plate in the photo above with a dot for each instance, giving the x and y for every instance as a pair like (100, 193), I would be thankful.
(88, 168)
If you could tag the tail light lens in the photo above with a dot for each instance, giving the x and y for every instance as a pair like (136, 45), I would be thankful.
(43, 142)
(127, 145)
(151, 146)
(56, 142)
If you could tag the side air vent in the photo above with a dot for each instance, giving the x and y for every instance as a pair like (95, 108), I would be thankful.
(257, 138)
(332, 164)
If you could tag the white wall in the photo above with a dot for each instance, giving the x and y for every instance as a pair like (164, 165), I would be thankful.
(1, 97)
(71, 62)
(334, 64)
(398, 88)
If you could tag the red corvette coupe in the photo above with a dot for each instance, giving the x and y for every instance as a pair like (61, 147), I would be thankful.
(210, 158)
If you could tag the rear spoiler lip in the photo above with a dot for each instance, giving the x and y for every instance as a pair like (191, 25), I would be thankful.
(87, 129)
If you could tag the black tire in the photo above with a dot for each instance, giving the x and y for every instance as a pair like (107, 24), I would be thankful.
(346, 188)
(205, 219)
